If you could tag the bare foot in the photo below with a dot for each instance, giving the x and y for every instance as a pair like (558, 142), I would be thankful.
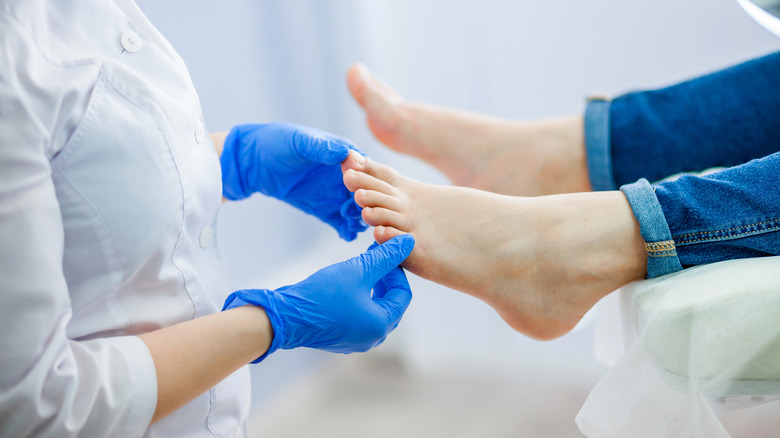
(538, 261)
(511, 158)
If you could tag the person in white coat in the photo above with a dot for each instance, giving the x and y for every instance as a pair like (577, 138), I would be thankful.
(109, 192)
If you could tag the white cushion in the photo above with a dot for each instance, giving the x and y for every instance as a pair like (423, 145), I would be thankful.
(714, 321)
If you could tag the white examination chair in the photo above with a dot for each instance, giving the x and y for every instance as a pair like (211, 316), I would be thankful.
(695, 344)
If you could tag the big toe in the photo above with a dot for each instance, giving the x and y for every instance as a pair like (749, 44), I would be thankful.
(384, 173)
(367, 89)
(379, 101)
(355, 160)
(357, 81)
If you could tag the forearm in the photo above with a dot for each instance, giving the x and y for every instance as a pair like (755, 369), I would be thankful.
(195, 355)
(218, 139)
(219, 144)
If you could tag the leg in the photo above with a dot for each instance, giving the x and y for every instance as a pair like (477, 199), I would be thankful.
(511, 158)
(540, 262)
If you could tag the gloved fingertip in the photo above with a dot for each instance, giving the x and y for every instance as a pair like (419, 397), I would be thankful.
(381, 341)
(397, 294)
(319, 147)
(356, 149)
(405, 243)
(347, 235)
(379, 260)
(348, 230)
(358, 226)
(399, 245)
(334, 152)
(349, 209)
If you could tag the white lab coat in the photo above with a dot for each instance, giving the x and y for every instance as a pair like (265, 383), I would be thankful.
(109, 192)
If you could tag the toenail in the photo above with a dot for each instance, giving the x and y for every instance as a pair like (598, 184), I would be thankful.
(359, 158)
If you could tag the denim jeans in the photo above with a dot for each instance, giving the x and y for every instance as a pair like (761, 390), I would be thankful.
(729, 119)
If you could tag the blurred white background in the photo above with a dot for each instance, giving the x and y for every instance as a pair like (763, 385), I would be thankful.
(452, 368)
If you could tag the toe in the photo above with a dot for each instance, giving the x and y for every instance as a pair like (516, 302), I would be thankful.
(376, 216)
(379, 170)
(371, 198)
(379, 101)
(355, 180)
(382, 233)
(356, 82)
(369, 91)
(354, 161)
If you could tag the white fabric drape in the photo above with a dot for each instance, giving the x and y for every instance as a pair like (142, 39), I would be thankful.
(696, 344)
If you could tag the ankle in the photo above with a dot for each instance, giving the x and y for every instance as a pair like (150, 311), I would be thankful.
(557, 147)
(598, 237)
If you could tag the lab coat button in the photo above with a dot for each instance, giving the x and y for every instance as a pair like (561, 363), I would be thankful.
(205, 237)
(130, 41)
(200, 133)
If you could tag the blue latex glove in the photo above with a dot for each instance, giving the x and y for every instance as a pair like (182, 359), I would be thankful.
(295, 164)
(334, 309)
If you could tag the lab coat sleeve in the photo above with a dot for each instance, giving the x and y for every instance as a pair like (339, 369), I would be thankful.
(51, 385)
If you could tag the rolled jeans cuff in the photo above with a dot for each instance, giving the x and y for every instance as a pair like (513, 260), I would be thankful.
(662, 256)
(597, 144)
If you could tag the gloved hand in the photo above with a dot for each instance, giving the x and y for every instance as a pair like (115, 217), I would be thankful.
(334, 309)
(295, 164)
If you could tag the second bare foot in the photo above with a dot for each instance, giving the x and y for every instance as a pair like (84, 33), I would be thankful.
(511, 158)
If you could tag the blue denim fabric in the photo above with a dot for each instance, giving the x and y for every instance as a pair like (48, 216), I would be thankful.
(723, 119)
(734, 213)
(719, 120)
